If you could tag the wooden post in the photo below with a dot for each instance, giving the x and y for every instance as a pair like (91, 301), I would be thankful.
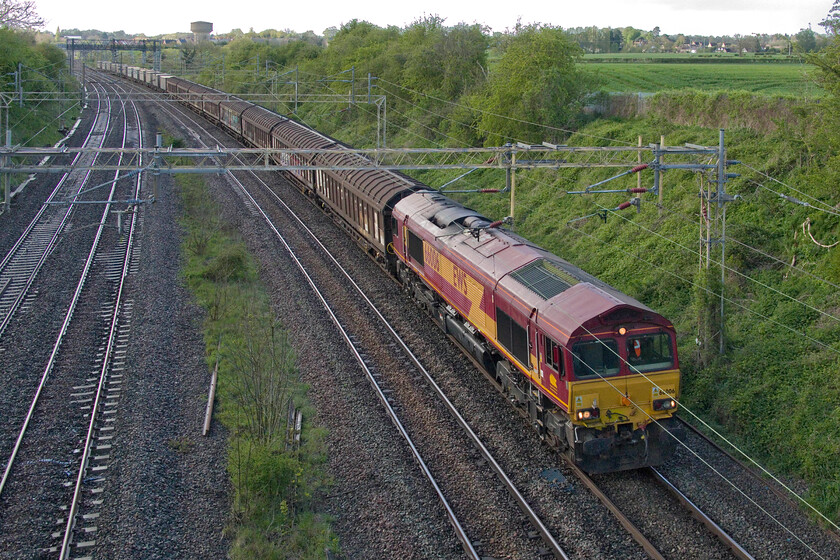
(212, 395)
(512, 190)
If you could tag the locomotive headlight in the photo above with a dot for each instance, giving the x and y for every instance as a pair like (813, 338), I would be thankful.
(588, 414)
(664, 404)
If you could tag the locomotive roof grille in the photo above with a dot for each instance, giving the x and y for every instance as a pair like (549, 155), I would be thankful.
(543, 278)
(453, 214)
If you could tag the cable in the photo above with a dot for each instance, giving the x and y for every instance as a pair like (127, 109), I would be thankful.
(448, 118)
(723, 265)
(694, 415)
(754, 249)
(829, 210)
(701, 459)
(548, 127)
(732, 484)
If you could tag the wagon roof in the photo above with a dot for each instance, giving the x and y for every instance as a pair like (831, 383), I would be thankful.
(262, 117)
(198, 88)
(177, 80)
(379, 186)
(236, 105)
(292, 133)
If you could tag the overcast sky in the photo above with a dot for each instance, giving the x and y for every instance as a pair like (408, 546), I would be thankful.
(700, 17)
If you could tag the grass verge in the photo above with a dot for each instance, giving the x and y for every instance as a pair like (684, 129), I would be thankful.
(275, 484)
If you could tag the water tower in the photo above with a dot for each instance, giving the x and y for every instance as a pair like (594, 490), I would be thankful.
(201, 30)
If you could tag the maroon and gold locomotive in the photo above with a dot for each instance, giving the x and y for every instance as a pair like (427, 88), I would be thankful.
(596, 371)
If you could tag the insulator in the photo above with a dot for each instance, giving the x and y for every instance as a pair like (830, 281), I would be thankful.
(637, 190)
(488, 190)
(624, 205)
(639, 168)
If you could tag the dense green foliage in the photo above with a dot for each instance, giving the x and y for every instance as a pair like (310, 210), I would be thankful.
(275, 485)
(534, 83)
(775, 389)
(44, 69)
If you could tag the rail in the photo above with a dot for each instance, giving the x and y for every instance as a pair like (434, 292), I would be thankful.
(459, 530)
(111, 338)
(18, 269)
(49, 366)
(698, 514)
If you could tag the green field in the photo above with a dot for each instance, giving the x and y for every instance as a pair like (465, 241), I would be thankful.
(762, 78)
(700, 58)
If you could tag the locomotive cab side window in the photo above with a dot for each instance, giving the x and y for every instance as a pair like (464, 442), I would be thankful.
(553, 355)
(596, 358)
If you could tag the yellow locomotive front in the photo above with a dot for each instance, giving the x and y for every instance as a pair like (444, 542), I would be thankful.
(623, 392)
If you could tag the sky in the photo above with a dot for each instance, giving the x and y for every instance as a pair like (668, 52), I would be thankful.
(703, 17)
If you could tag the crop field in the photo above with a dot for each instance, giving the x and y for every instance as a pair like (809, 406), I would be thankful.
(761, 78)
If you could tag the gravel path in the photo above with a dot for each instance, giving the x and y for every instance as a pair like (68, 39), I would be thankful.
(167, 494)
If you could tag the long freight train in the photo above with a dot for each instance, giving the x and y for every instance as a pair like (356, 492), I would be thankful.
(595, 370)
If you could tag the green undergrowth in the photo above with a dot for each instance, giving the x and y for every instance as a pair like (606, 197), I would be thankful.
(775, 389)
(36, 121)
(41, 119)
(275, 484)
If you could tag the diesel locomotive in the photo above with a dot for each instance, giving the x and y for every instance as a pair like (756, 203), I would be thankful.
(594, 370)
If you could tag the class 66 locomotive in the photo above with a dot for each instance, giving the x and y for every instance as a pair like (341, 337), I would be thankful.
(594, 370)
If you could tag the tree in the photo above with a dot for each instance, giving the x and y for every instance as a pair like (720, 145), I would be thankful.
(806, 41)
(534, 85)
(19, 15)
(329, 33)
(630, 35)
(826, 60)
(831, 23)
(188, 55)
(447, 61)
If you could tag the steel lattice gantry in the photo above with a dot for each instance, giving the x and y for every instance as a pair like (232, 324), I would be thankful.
(144, 46)
(219, 159)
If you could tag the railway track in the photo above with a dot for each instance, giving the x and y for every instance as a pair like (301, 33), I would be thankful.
(681, 515)
(361, 353)
(552, 546)
(548, 539)
(386, 395)
(21, 265)
(71, 414)
(735, 496)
